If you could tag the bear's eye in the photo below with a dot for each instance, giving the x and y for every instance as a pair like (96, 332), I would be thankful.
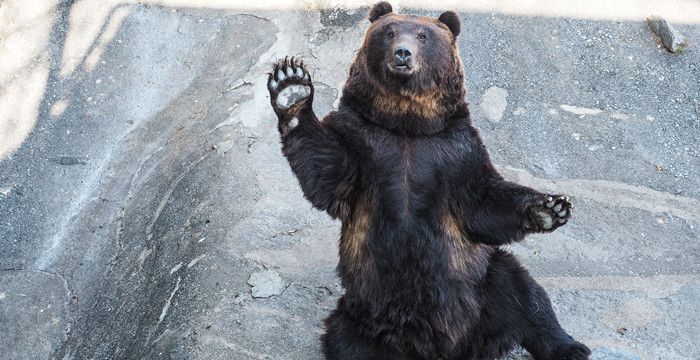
(390, 34)
(422, 36)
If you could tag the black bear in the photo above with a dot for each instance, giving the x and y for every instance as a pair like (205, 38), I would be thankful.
(423, 209)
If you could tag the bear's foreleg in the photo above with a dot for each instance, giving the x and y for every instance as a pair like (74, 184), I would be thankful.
(506, 212)
(322, 165)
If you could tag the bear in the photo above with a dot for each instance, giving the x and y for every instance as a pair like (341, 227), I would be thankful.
(424, 212)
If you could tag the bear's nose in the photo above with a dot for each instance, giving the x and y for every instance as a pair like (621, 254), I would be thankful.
(402, 54)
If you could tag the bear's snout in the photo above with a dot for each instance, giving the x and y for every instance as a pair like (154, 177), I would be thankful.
(402, 55)
(403, 58)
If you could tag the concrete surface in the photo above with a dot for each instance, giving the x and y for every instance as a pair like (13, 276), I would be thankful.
(141, 180)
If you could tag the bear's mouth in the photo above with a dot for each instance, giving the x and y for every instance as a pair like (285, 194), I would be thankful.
(401, 68)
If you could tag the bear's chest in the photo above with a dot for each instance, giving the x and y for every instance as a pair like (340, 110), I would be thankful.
(412, 174)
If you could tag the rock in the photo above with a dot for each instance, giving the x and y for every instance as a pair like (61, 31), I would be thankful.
(5, 190)
(578, 110)
(609, 353)
(674, 41)
(494, 103)
(266, 283)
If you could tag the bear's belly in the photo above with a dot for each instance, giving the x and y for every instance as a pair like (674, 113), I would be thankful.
(414, 278)
(402, 224)
(411, 289)
(412, 254)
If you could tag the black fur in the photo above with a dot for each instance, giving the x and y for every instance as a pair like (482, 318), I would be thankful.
(378, 10)
(423, 214)
(451, 19)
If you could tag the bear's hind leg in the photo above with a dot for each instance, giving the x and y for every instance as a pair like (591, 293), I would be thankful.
(342, 342)
(545, 339)
(518, 310)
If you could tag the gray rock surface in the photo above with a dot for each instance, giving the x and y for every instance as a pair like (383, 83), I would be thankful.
(142, 183)
(609, 353)
(37, 303)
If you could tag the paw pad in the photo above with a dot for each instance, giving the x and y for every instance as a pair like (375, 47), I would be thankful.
(289, 83)
(549, 213)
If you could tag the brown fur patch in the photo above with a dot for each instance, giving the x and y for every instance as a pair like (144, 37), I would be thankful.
(353, 240)
(425, 106)
(465, 255)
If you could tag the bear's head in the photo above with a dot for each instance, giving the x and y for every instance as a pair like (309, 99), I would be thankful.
(407, 75)
(410, 53)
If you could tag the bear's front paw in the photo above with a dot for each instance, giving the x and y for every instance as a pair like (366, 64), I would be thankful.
(548, 213)
(289, 84)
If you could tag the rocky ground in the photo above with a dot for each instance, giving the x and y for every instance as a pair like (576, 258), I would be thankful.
(145, 206)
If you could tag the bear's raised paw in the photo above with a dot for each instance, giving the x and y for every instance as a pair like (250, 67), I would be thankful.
(289, 83)
(548, 213)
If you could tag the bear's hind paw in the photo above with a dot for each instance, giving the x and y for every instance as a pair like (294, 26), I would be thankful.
(577, 351)
(289, 83)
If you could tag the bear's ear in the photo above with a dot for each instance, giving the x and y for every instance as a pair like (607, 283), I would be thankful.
(378, 10)
(451, 19)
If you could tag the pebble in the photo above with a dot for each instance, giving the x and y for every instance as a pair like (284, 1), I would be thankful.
(5, 190)
(674, 41)
(578, 110)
